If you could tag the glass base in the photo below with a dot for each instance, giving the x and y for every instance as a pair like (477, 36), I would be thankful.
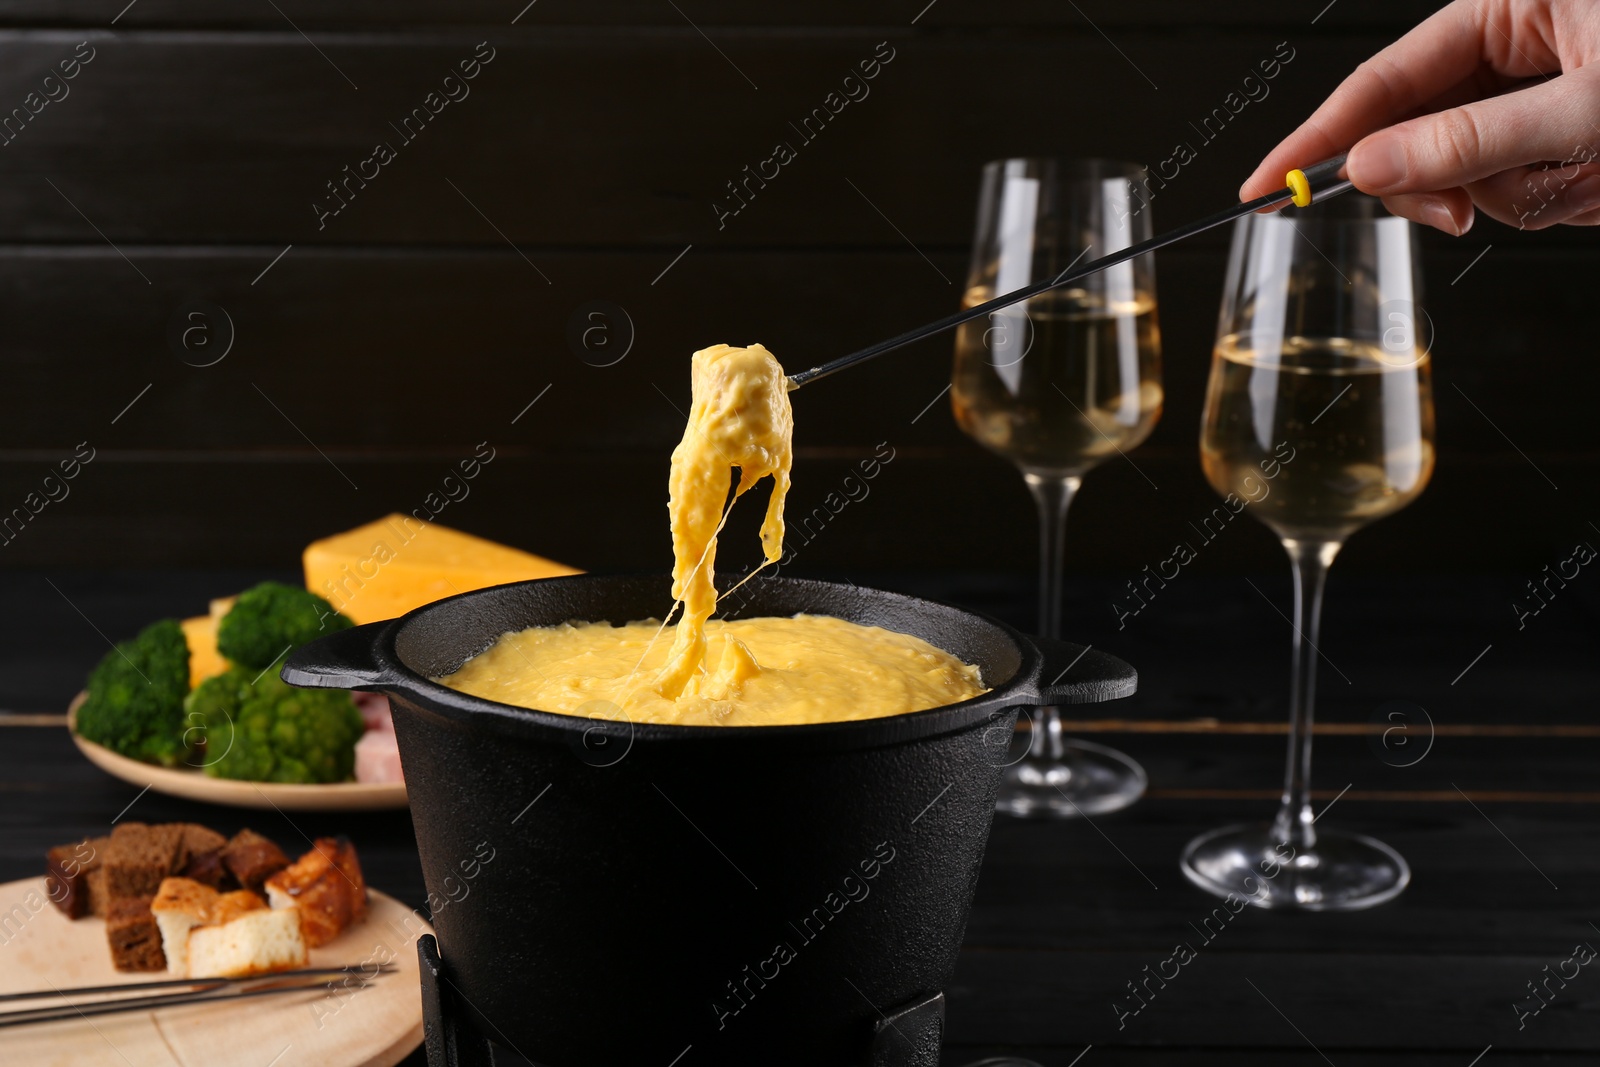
(1089, 779)
(1340, 872)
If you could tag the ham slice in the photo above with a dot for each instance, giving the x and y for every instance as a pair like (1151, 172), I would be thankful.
(374, 708)
(378, 757)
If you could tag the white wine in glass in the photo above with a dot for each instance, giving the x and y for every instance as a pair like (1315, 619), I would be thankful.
(1085, 381)
(1361, 443)
(1057, 385)
(1319, 415)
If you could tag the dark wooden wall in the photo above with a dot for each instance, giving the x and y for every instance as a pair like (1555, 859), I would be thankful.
(391, 338)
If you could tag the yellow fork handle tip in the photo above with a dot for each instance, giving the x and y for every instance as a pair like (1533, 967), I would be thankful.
(1299, 186)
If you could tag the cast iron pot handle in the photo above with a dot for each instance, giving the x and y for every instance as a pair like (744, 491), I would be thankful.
(343, 660)
(1073, 674)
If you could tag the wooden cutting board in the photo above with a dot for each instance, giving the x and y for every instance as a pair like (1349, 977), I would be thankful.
(373, 1027)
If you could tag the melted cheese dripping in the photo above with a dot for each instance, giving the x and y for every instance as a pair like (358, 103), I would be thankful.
(739, 417)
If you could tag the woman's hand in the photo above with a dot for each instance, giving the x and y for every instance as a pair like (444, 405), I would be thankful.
(1493, 103)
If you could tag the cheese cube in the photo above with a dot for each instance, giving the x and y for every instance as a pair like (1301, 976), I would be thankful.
(205, 661)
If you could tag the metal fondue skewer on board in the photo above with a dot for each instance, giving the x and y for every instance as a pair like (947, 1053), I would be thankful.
(1319, 181)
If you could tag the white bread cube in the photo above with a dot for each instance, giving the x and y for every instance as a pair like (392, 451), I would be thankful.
(179, 905)
(256, 942)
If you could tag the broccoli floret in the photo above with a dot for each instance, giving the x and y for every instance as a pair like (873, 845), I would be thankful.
(136, 693)
(210, 712)
(265, 730)
(269, 620)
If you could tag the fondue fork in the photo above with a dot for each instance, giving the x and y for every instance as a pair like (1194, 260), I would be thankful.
(1319, 181)
(185, 991)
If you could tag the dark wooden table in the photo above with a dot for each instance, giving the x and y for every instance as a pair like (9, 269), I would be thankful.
(1499, 818)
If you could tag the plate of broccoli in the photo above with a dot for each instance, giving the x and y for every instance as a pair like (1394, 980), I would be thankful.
(196, 709)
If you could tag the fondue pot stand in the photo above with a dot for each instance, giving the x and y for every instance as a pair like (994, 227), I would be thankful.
(609, 893)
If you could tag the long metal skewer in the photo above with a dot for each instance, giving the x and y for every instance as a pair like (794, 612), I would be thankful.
(178, 983)
(1301, 186)
(273, 985)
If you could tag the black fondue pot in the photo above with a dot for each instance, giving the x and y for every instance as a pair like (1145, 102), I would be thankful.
(609, 893)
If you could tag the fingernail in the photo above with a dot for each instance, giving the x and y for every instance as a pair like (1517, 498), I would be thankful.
(1540, 211)
(1584, 196)
(1437, 215)
(1378, 163)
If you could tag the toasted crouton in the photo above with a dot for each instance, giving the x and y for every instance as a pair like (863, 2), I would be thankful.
(203, 861)
(258, 941)
(229, 906)
(133, 936)
(251, 858)
(325, 886)
(139, 856)
(69, 875)
(180, 904)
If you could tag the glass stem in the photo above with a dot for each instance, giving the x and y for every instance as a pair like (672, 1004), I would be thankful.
(1053, 494)
(1310, 561)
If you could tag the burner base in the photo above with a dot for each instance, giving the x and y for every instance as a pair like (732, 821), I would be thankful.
(907, 1036)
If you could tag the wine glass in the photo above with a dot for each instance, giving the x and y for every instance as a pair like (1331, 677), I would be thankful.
(1059, 384)
(1318, 420)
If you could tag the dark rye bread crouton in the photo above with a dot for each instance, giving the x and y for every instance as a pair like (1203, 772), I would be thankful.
(252, 859)
(99, 899)
(133, 935)
(207, 868)
(198, 839)
(204, 860)
(67, 874)
(138, 857)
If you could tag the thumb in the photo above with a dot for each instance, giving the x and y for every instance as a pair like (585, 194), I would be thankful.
(1548, 121)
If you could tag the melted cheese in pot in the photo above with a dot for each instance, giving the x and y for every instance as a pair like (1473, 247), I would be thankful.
(749, 672)
(759, 672)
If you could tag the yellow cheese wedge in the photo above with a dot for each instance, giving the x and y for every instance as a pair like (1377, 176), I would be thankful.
(204, 660)
(386, 568)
